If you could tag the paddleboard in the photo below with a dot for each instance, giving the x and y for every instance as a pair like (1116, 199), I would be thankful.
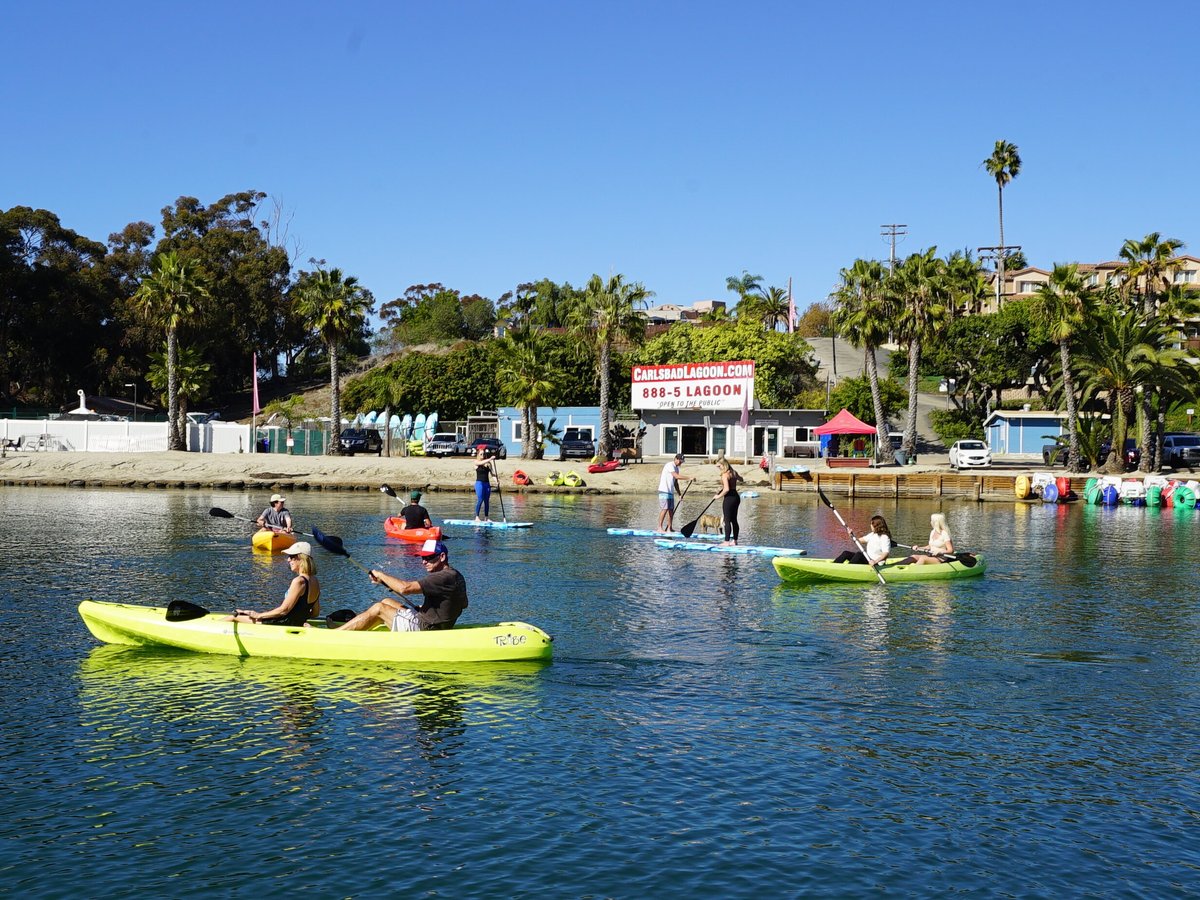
(431, 426)
(370, 418)
(740, 548)
(674, 535)
(419, 428)
(406, 426)
(475, 524)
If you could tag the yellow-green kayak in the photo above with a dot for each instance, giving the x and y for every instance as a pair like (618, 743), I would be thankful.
(121, 623)
(798, 570)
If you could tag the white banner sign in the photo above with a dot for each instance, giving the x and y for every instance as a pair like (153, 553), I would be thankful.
(715, 385)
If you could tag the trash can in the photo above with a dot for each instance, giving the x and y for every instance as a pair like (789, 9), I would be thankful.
(901, 458)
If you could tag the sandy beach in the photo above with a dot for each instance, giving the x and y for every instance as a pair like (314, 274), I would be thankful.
(238, 471)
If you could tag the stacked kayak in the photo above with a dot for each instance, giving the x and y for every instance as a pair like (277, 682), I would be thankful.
(649, 532)
(749, 549)
(146, 626)
(267, 541)
(393, 526)
(802, 571)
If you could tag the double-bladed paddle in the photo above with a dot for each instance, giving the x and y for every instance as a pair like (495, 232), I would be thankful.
(334, 545)
(853, 536)
(962, 556)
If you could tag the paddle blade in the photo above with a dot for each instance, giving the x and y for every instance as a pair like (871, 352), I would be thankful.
(385, 489)
(220, 513)
(330, 542)
(338, 617)
(824, 499)
(184, 611)
(689, 528)
(966, 559)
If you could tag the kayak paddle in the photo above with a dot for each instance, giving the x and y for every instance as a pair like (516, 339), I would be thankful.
(962, 556)
(853, 536)
(334, 545)
(185, 611)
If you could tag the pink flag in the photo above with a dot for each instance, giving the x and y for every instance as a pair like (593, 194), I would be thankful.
(745, 408)
(254, 374)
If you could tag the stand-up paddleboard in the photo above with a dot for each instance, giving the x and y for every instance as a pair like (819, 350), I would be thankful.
(666, 535)
(419, 427)
(740, 548)
(406, 426)
(475, 524)
(394, 424)
(371, 418)
(431, 422)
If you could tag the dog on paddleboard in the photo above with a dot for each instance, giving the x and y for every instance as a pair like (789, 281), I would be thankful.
(710, 524)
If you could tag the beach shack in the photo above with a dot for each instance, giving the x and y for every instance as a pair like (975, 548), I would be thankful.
(1023, 431)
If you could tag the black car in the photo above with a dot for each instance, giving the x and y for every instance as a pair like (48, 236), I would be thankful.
(493, 448)
(361, 440)
(576, 443)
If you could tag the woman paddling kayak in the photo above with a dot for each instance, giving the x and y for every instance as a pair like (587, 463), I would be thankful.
(940, 543)
(303, 598)
(877, 543)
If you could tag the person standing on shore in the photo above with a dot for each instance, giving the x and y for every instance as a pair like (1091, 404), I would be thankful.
(443, 588)
(668, 487)
(276, 516)
(483, 484)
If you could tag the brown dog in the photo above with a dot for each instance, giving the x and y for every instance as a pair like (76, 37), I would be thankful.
(710, 524)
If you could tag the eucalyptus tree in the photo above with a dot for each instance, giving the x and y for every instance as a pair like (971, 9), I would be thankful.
(528, 378)
(1003, 165)
(1148, 266)
(918, 290)
(1065, 302)
(611, 312)
(170, 297)
(334, 306)
(863, 313)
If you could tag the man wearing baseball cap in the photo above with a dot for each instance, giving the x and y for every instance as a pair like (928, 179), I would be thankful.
(415, 515)
(668, 487)
(276, 516)
(443, 591)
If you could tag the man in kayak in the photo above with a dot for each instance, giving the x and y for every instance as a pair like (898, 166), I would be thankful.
(415, 515)
(668, 487)
(276, 516)
(443, 589)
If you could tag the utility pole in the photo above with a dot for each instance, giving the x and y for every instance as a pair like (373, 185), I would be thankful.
(997, 255)
(890, 233)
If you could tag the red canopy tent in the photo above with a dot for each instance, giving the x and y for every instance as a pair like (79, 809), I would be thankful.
(845, 422)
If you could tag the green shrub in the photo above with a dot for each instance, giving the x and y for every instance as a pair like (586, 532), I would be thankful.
(952, 425)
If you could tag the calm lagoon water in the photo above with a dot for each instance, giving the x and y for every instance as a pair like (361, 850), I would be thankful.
(702, 729)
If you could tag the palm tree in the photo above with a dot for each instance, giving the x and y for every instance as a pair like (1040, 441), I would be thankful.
(918, 288)
(1066, 301)
(1004, 165)
(335, 308)
(1149, 264)
(966, 285)
(863, 315)
(528, 379)
(192, 378)
(611, 311)
(171, 296)
(773, 307)
(744, 285)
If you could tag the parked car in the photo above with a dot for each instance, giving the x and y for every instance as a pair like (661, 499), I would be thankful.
(1056, 454)
(493, 448)
(1181, 449)
(970, 454)
(361, 440)
(446, 443)
(203, 418)
(576, 443)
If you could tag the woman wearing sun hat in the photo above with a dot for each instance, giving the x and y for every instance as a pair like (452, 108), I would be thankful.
(443, 590)
(303, 599)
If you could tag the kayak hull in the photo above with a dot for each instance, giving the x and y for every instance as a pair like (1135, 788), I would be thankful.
(611, 466)
(393, 526)
(147, 626)
(805, 571)
(747, 549)
(475, 524)
(267, 541)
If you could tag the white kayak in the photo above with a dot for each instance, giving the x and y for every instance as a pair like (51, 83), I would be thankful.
(740, 548)
(673, 535)
(475, 524)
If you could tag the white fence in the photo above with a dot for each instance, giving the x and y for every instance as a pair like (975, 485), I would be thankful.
(121, 437)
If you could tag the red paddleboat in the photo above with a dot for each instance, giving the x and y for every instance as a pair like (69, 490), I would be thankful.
(611, 466)
(393, 526)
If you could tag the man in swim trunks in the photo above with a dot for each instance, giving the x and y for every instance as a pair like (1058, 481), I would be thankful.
(668, 487)
(443, 589)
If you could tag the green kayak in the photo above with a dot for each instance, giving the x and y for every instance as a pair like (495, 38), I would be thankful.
(801, 570)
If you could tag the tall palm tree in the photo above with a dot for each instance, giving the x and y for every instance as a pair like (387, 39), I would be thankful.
(528, 379)
(1003, 165)
(172, 296)
(744, 285)
(1066, 302)
(611, 311)
(773, 307)
(334, 306)
(1149, 264)
(918, 288)
(863, 316)
(966, 285)
(192, 378)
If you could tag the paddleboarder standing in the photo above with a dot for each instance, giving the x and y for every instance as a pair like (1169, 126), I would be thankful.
(668, 487)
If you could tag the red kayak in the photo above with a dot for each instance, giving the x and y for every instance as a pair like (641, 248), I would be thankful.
(611, 466)
(393, 526)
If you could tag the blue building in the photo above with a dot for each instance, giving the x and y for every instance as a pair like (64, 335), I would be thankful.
(584, 418)
(1023, 431)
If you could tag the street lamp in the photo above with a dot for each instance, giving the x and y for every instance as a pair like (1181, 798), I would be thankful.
(134, 386)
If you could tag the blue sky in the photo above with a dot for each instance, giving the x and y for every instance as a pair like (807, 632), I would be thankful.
(483, 144)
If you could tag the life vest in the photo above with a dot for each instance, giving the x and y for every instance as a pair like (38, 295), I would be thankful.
(520, 477)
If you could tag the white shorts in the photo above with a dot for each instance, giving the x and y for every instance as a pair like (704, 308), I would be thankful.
(405, 620)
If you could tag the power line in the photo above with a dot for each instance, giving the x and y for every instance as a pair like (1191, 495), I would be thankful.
(890, 233)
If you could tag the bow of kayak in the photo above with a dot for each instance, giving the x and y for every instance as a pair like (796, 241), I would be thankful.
(806, 571)
(146, 626)
(395, 526)
(267, 541)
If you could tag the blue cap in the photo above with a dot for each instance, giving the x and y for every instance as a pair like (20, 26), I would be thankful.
(431, 548)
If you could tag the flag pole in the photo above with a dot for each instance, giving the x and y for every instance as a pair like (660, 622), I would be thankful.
(254, 410)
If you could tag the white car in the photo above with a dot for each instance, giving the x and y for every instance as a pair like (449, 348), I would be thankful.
(970, 455)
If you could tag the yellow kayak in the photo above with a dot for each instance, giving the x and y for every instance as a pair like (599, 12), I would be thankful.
(147, 626)
(267, 541)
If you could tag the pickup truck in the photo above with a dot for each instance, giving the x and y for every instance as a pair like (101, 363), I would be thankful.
(1181, 450)
(446, 443)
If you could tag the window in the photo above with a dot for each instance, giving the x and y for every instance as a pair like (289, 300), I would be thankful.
(1026, 287)
(516, 431)
(803, 434)
(720, 439)
(1185, 276)
(1093, 280)
(670, 440)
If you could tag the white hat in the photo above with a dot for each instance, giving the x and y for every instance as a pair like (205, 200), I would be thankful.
(277, 498)
(298, 548)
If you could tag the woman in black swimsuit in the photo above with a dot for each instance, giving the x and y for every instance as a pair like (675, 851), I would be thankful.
(303, 599)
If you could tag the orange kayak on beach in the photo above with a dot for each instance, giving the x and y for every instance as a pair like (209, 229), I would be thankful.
(393, 526)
